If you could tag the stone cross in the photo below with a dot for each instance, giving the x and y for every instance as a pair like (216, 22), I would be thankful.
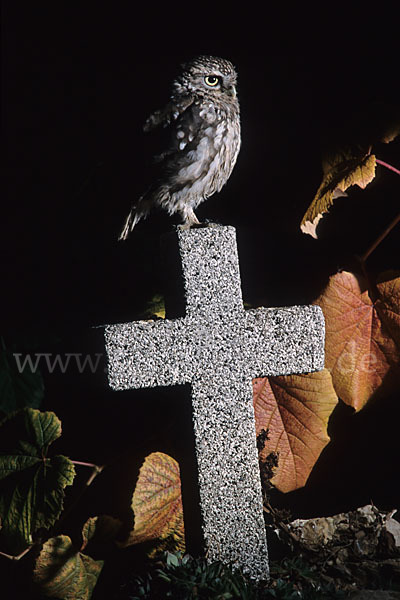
(218, 348)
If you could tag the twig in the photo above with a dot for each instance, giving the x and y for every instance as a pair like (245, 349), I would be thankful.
(380, 238)
(387, 165)
(95, 472)
(96, 469)
(85, 464)
(19, 556)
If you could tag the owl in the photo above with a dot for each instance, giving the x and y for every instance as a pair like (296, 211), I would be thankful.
(204, 121)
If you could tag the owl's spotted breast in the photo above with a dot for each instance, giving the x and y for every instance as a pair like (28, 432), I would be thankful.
(204, 117)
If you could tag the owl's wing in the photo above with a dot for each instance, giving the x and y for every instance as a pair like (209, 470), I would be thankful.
(169, 113)
(186, 132)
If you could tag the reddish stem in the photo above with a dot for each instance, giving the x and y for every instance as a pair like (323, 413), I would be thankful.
(390, 226)
(95, 472)
(385, 164)
(19, 556)
(380, 238)
(83, 464)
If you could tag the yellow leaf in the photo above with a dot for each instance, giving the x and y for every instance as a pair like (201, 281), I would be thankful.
(295, 409)
(343, 171)
(62, 572)
(157, 502)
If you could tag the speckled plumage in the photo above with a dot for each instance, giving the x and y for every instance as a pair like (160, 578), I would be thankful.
(203, 115)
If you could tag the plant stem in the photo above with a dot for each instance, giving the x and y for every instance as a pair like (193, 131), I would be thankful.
(95, 472)
(387, 165)
(84, 464)
(19, 556)
(380, 238)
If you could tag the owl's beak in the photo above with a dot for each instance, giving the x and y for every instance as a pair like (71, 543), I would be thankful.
(232, 91)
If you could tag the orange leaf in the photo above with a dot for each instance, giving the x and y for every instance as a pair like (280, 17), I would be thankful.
(295, 409)
(157, 502)
(388, 304)
(362, 337)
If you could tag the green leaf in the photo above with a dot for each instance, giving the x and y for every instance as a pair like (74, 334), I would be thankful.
(19, 387)
(155, 308)
(31, 485)
(62, 572)
(172, 560)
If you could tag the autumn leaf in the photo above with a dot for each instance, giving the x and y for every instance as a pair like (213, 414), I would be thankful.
(100, 530)
(341, 172)
(157, 502)
(155, 308)
(31, 484)
(362, 336)
(295, 409)
(388, 303)
(63, 572)
(349, 161)
(391, 131)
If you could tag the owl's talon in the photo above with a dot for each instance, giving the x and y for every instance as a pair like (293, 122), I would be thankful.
(206, 223)
(185, 226)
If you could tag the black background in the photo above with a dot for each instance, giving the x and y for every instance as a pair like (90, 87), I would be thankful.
(79, 81)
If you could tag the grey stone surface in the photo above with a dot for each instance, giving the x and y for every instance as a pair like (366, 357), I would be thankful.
(218, 347)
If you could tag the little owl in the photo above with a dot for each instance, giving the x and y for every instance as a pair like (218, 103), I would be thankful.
(204, 117)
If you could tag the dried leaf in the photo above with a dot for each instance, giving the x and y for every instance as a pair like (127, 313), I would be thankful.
(341, 172)
(391, 132)
(101, 530)
(62, 572)
(31, 485)
(295, 409)
(362, 337)
(157, 502)
(388, 303)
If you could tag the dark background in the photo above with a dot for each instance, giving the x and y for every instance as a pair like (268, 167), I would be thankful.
(79, 81)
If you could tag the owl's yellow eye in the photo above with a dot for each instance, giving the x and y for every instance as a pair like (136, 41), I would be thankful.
(211, 80)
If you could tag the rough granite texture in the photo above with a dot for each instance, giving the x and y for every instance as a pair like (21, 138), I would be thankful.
(219, 347)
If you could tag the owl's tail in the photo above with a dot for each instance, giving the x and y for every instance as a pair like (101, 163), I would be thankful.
(137, 212)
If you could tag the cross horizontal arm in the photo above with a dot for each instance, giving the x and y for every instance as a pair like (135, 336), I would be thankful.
(282, 341)
(142, 354)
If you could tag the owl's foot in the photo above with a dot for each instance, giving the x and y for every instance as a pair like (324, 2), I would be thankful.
(206, 223)
(192, 222)
(190, 219)
(186, 226)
